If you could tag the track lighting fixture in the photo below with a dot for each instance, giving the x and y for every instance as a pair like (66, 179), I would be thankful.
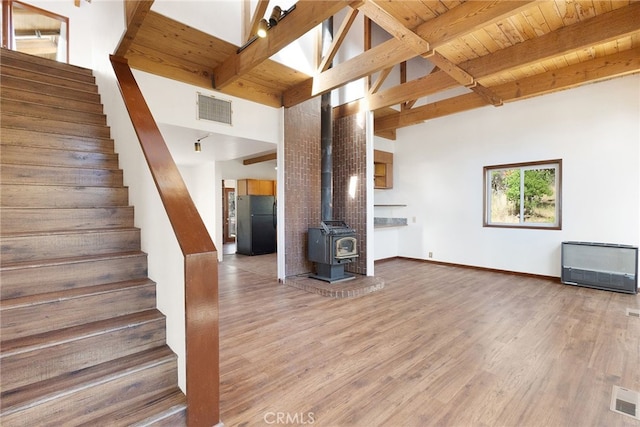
(263, 27)
(276, 14)
(197, 146)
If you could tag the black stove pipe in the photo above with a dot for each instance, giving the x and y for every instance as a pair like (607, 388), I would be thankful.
(326, 138)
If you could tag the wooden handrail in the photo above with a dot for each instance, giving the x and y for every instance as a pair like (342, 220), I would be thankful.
(200, 257)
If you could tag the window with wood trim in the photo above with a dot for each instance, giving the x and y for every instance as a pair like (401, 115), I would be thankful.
(525, 195)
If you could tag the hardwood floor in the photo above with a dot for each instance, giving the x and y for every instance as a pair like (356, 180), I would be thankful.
(438, 346)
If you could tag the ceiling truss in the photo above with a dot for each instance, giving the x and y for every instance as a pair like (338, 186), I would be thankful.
(498, 51)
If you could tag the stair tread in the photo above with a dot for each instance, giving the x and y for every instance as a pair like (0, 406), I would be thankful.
(74, 333)
(37, 60)
(106, 155)
(45, 298)
(41, 219)
(53, 99)
(11, 135)
(45, 103)
(69, 232)
(39, 166)
(11, 114)
(41, 110)
(30, 395)
(15, 120)
(22, 83)
(68, 260)
(40, 208)
(59, 185)
(66, 82)
(154, 409)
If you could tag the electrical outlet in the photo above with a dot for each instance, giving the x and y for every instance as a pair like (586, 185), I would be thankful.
(413, 219)
(430, 254)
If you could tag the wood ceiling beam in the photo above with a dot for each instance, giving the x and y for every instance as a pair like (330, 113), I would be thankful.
(464, 78)
(260, 159)
(403, 79)
(146, 59)
(616, 65)
(597, 30)
(467, 18)
(614, 24)
(390, 24)
(303, 18)
(457, 22)
(455, 72)
(598, 69)
(252, 26)
(375, 12)
(338, 38)
(417, 115)
(381, 78)
(136, 12)
(375, 59)
(489, 96)
(414, 89)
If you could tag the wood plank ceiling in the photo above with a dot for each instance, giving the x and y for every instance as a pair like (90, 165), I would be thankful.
(501, 51)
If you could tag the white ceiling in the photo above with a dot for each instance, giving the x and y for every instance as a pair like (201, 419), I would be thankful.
(215, 147)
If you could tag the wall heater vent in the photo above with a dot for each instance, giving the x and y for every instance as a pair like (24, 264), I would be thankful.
(214, 109)
(633, 312)
(625, 402)
(600, 265)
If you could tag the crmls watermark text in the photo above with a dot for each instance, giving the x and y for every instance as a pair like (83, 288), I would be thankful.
(298, 418)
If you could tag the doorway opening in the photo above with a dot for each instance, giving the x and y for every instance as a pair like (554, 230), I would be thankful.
(229, 219)
(35, 31)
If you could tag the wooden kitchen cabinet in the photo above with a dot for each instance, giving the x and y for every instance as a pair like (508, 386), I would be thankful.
(256, 187)
(382, 169)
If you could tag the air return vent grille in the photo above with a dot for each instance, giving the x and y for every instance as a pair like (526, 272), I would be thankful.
(213, 109)
(625, 401)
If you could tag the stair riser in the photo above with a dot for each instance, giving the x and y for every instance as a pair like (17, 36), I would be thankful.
(51, 112)
(26, 368)
(97, 399)
(33, 175)
(32, 280)
(55, 246)
(53, 126)
(28, 320)
(165, 409)
(17, 220)
(34, 86)
(18, 60)
(62, 197)
(50, 100)
(52, 79)
(19, 155)
(28, 138)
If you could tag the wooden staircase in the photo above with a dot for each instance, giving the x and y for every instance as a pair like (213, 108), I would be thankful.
(81, 340)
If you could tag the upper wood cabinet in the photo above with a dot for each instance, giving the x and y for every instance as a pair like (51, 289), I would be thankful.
(256, 187)
(382, 169)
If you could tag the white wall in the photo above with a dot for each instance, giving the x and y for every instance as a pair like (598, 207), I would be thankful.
(202, 185)
(594, 129)
(174, 103)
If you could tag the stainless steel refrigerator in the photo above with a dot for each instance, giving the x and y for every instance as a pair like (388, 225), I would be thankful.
(256, 232)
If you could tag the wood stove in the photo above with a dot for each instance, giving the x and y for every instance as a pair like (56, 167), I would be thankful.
(331, 246)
